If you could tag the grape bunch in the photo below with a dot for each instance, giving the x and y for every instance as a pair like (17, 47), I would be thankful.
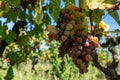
(75, 38)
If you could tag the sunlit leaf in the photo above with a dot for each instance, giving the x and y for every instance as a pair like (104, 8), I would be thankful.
(38, 13)
(97, 15)
(54, 10)
(115, 16)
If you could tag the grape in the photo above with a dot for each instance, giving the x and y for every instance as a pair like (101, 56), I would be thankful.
(85, 70)
(72, 34)
(80, 47)
(96, 45)
(75, 39)
(67, 16)
(88, 57)
(78, 33)
(83, 53)
(67, 33)
(88, 50)
(63, 38)
(79, 61)
(82, 66)
(84, 33)
(72, 22)
(74, 59)
(63, 26)
(86, 44)
(74, 48)
(69, 27)
(72, 17)
(79, 39)
(78, 53)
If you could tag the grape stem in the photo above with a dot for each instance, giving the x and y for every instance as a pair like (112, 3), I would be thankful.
(91, 22)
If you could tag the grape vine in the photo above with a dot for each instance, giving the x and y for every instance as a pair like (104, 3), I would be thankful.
(79, 40)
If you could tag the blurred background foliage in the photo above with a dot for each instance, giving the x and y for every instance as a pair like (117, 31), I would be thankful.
(25, 50)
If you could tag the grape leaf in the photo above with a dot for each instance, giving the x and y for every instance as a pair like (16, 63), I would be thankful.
(23, 15)
(69, 2)
(10, 37)
(10, 74)
(110, 1)
(23, 40)
(97, 15)
(14, 3)
(46, 19)
(3, 32)
(115, 16)
(38, 13)
(11, 15)
(54, 10)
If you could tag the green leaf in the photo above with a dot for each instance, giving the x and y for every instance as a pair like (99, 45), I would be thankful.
(23, 15)
(97, 15)
(56, 13)
(54, 10)
(10, 37)
(11, 15)
(23, 40)
(38, 13)
(115, 16)
(14, 3)
(110, 1)
(46, 19)
(69, 2)
(38, 18)
(10, 74)
(3, 31)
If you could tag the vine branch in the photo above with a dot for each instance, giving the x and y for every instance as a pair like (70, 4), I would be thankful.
(110, 69)
(115, 7)
(91, 22)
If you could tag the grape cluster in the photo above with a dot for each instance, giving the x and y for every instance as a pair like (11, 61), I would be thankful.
(75, 38)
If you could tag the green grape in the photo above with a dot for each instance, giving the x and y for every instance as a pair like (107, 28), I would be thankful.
(88, 57)
(78, 53)
(67, 33)
(79, 61)
(82, 66)
(72, 33)
(72, 22)
(69, 26)
(63, 26)
(85, 70)
(63, 38)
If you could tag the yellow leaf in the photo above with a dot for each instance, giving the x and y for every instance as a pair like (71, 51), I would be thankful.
(104, 26)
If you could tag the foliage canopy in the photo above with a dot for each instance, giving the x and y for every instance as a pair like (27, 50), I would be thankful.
(26, 46)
